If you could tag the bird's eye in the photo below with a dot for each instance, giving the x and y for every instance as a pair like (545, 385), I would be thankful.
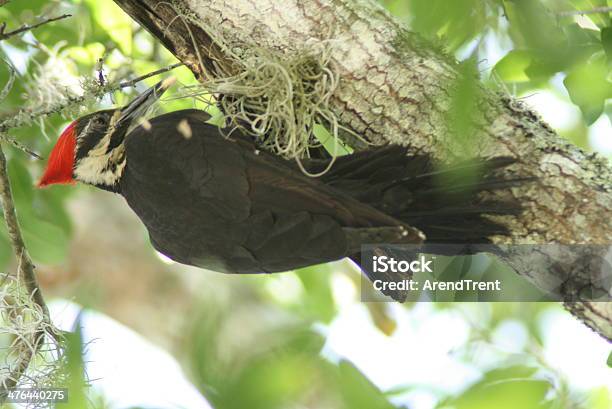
(99, 120)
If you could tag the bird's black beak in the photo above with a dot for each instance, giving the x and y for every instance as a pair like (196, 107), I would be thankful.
(144, 101)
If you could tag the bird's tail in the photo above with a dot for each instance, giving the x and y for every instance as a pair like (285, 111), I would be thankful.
(447, 204)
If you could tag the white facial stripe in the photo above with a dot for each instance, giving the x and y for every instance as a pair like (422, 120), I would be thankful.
(99, 167)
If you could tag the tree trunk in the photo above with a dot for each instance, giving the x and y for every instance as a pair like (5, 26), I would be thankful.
(396, 88)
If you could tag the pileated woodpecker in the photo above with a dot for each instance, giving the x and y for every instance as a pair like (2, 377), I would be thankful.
(219, 203)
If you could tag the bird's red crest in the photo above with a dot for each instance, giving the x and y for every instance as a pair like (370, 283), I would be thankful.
(61, 159)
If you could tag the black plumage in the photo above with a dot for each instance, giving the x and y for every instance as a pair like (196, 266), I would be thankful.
(222, 204)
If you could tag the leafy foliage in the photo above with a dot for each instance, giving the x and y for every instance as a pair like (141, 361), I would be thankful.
(542, 39)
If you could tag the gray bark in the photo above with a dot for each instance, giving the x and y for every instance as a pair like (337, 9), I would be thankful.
(396, 88)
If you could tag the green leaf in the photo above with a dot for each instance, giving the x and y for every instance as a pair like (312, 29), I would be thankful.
(51, 206)
(332, 146)
(510, 372)
(76, 368)
(533, 26)
(317, 301)
(57, 32)
(512, 68)
(582, 44)
(43, 218)
(47, 243)
(457, 21)
(273, 381)
(303, 341)
(358, 391)
(610, 360)
(510, 388)
(21, 183)
(588, 87)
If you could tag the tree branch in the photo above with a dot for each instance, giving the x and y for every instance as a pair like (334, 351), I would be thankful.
(131, 83)
(39, 315)
(25, 117)
(23, 29)
(26, 276)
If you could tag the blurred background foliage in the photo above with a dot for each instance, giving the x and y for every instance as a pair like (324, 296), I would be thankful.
(257, 342)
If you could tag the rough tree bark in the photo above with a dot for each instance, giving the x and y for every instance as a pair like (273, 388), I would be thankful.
(396, 88)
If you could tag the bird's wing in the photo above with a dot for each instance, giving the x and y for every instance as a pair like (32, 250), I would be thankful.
(278, 185)
(172, 154)
(206, 187)
(235, 178)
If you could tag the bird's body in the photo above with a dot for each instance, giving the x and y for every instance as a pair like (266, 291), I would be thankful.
(222, 204)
